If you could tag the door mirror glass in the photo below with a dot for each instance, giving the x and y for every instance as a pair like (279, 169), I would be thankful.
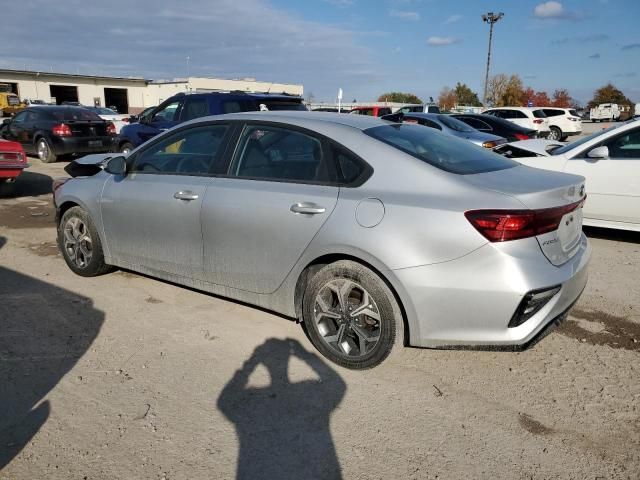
(598, 153)
(6, 121)
(116, 166)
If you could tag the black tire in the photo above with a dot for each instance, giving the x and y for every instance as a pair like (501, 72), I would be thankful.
(564, 139)
(44, 151)
(94, 263)
(554, 133)
(126, 147)
(389, 327)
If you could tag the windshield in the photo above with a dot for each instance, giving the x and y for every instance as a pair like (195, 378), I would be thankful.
(439, 150)
(582, 141)
(455, 124)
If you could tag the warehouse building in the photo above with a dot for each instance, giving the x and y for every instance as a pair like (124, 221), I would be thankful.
(126, 94)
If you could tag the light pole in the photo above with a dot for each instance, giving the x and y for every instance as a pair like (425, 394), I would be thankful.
(490, 18)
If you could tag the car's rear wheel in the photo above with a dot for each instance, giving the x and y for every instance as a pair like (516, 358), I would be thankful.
(45, 152)
(554, 133)
(351, 316)
(80, 244)
(126, 148)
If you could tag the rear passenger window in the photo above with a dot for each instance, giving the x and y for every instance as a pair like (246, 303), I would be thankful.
(517, 114)
(274, 153)
(539, 114)
(349, 167)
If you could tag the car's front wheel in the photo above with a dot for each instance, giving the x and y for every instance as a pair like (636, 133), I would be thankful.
(80, 244)
(126, 148)
(351, 316)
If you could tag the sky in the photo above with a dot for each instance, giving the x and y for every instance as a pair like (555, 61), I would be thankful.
(365, 47)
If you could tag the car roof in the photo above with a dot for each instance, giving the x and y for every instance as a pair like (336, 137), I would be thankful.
(527, 109)
(430, 116)
(298, 117)
(240, 94)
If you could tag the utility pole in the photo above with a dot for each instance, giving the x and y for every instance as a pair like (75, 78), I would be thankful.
(489, 18)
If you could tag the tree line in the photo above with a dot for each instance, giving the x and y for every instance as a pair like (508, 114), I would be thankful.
(509, 90)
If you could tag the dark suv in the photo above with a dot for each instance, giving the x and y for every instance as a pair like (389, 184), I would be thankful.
(187, 106)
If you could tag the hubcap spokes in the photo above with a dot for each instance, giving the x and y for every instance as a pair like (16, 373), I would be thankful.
(347, 317)
(42, 150)
(77, 242)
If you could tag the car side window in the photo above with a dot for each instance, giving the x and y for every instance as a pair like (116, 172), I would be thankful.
(349, 167)
(191, 151)
(195, 107)
(276, 153)
(20, 117)
(430, 124)
(168, 113)
(549, 112)
(625, 146)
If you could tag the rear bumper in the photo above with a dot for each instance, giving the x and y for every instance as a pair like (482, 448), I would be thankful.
(12, 171)
(69, 145)
(469, 302)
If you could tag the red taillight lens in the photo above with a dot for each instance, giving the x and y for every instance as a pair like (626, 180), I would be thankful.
(12, 157)
(504, 225)
(521, 136)
(538, 121)
(111, 128)
(61, 130)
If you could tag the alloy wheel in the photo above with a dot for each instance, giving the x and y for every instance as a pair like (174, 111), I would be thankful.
(347, 318)
(43, 150)
(77, 242)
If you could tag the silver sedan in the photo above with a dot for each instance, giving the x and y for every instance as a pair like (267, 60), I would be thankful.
(373, 234)
(457, 128)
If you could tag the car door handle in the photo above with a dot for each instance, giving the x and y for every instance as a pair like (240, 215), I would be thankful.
(307, 208)
(185, 195)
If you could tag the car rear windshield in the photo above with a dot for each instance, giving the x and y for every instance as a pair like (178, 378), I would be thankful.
(283, 105)
(439, 150)
(539, 114)
(455, 124)
(74, 114)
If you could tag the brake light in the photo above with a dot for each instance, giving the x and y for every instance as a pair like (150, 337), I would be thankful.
(521, 136)
(574, 119)
(61, 130)
(505, 225)
(538, 121)
(13, 157)
(111, 128)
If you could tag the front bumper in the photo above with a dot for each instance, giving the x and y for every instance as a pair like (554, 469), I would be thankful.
(468, 302)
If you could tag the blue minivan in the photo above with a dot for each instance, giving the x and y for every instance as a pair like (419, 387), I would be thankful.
(187, 106)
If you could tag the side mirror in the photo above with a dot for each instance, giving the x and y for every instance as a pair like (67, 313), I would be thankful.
(6, 121)
(116, 166)
(598, 153)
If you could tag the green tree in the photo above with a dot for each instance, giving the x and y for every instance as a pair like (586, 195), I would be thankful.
(399, 97)
(465, 96)
(608, 94)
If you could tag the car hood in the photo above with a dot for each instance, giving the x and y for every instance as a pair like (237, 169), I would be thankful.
(88, 165)
(535, 146)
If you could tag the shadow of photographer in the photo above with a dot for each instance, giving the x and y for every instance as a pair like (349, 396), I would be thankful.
(283, 428)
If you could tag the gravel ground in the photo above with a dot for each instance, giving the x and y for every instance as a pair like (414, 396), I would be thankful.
(127, 377)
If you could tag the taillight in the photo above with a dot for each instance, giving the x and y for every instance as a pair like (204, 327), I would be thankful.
(538, 121)
(125, 120)
(111, 128)
(13, 157)
(505, 225)
(521, 136)
(61, 130)
(574, 119)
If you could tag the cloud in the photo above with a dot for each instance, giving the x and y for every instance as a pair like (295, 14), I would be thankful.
(595, 56)
(553, 10)
(441, 41)
(453, 19)
(596, 37)
(404, 15)
(630, 46)
(225, 38)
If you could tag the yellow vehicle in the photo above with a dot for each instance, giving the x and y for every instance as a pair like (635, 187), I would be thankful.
(10, 103)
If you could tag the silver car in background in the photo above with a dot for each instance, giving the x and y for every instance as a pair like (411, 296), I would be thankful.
(373, 234)
(457, 128)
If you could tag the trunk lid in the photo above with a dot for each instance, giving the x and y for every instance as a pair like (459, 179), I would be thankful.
(88, 128)
(541, 190)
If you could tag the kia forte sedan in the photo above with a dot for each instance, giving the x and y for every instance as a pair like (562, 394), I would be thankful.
(372, 234)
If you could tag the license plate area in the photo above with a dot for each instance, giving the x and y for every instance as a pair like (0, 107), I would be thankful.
(95, 143)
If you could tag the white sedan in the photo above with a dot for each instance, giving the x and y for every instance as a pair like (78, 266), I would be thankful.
(118, 119)
(610, 162)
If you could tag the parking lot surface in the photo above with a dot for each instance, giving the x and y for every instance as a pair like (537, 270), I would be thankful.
(124, 376)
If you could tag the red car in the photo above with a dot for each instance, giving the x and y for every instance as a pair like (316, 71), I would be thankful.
(12, 160)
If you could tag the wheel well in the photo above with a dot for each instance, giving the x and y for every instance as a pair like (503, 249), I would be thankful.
(309, 271)
(63, 208)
